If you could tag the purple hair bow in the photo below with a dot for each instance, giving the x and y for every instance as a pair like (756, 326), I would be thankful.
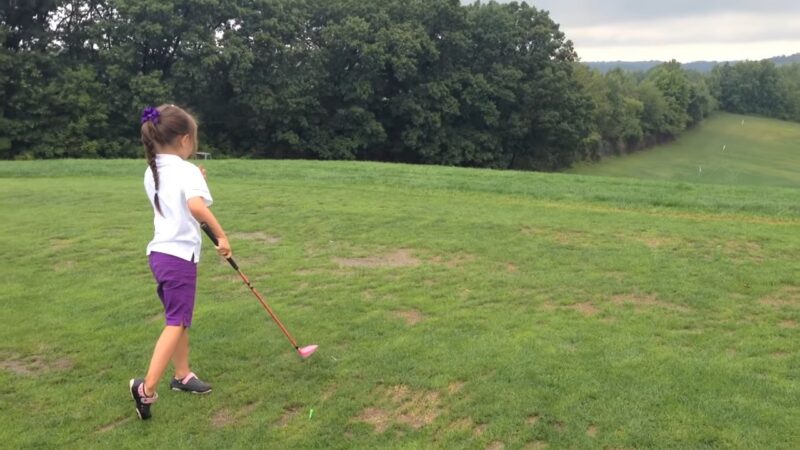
(150, 114)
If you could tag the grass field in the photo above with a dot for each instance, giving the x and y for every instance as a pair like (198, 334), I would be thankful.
(756, 151)
(454, 309)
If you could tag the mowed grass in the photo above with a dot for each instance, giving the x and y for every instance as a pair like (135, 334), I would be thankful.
(725, 149)
(453, 308)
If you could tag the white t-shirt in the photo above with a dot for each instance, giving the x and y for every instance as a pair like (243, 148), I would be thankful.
(177, 233)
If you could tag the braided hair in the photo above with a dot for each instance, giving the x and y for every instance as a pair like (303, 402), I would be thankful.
(163, 127)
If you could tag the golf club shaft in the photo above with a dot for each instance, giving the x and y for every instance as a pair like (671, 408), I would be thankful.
(261, 300)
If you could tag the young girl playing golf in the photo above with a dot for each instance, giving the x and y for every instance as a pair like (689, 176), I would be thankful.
(180, 198)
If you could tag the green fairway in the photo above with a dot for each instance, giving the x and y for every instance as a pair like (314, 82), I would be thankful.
(454, 308)
(725, 149)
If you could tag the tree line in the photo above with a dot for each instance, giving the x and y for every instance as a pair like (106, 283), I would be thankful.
(417, 81)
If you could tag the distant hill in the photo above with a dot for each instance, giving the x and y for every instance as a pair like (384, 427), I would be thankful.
(724, 149)
(700, 66)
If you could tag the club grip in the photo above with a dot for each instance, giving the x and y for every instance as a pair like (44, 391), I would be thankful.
(209, 233)
(214, 239)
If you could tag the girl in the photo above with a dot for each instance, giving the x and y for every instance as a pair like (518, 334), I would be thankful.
(178, 192)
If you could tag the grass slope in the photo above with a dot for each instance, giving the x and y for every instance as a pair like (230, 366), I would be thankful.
(454, 308)
(760, 152)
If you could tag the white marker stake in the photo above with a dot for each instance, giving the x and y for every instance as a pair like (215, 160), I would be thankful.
(724, 147)
(701, 169)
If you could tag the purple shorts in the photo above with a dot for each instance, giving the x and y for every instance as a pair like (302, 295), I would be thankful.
(177, 283)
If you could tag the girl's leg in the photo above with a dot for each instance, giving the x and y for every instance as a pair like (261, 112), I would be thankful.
(165, 348)
(180, 359)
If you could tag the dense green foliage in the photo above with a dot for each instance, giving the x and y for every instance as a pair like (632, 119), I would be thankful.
(421, 81)
(758, 88)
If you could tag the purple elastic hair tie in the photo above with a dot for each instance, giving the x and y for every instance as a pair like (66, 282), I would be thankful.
(150, 114)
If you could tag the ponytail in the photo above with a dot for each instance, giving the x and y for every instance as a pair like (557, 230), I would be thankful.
(149, 138)
(163, 126)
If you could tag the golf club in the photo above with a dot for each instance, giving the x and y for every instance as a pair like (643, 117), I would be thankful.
(304, 352)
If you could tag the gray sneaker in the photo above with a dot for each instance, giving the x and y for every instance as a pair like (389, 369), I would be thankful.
(190, 383)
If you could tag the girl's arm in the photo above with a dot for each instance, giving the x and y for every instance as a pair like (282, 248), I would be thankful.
(201, 213)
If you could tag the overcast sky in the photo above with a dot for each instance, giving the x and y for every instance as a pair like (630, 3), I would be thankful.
(686, 30)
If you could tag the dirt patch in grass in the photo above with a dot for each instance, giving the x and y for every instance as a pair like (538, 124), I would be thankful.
(453, 261)
(479, 429)
(587, 308)
(110, 426)
(496, 445)
(256, 236)
(572, 238)
(654, 242)
(398, 258)
(412, 317)
(63, 266)
(289, 413)
(401, 405)
(222, 418)
(380, 419)
(790, 324)
(461, 425)
(532, 420)
(787, 296)
(535, 445)
(60, 244)
(225, 417)
(779, 355)
(33, 365)
(592, 431)
(511, 268)
(455, 387)
(747, 250)
(640, 302)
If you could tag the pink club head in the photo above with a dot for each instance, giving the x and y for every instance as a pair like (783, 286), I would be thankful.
(307, 351)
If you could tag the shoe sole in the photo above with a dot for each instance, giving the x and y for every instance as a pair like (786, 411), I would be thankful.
(193, 392)
(130, 389)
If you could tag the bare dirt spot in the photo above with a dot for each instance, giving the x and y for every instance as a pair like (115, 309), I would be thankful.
(110, 426)
(743, 250)
(587, 308)
(535, 445)
(779, 355)
(411, 317)
(787, 296)
(549, 306)
(496, 445)
(289, 413)
(222, 418)
(569, 237)
(453, 261)
(256, 236)
(225, 417)
(532, 420)
(559, 426)
(640, 302)
(455, 387)
(401, 405)
(33, 365)
(479, 430)
(329, 392)
(399, 258)
(592, 431)
(60, 244)
(63, 266)
(461, 425)
(615, 275)
(791, 324)
(378, 418)
(511, 268)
